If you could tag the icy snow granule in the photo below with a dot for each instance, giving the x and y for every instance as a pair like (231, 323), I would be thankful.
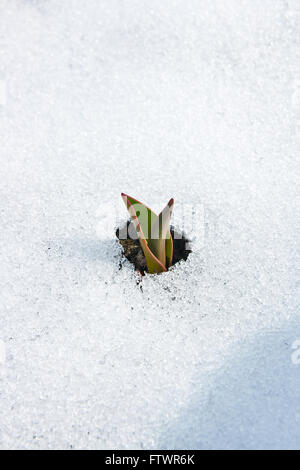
(195, 100)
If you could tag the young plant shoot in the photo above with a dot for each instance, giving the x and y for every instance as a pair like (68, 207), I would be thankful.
(153, 232)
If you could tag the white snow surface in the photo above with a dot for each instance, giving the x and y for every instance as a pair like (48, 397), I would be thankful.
(192, 99)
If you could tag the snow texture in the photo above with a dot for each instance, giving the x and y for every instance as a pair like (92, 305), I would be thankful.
(189, 99)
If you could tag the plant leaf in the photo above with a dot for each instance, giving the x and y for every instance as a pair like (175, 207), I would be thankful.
(160, 233)
(142, 218)
(144, 214)
(169, 250)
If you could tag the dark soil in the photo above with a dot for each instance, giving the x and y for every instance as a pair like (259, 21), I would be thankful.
(134, 253)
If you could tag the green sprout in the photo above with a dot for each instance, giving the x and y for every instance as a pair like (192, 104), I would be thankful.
(153, 232)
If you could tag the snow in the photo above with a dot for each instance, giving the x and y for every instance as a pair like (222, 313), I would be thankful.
(194, 100)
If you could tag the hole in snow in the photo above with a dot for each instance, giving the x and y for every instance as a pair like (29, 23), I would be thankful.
(133, 252)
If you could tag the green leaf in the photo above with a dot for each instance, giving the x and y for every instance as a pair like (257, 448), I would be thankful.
(160, 233)
(169, 250)
(158, 251)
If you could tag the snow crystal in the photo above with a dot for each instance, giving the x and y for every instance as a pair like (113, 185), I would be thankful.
(193, 100)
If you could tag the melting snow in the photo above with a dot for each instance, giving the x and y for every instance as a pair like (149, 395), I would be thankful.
(194, 100)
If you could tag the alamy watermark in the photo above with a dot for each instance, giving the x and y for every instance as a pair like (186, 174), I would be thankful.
(187, 221)
(295, 357)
